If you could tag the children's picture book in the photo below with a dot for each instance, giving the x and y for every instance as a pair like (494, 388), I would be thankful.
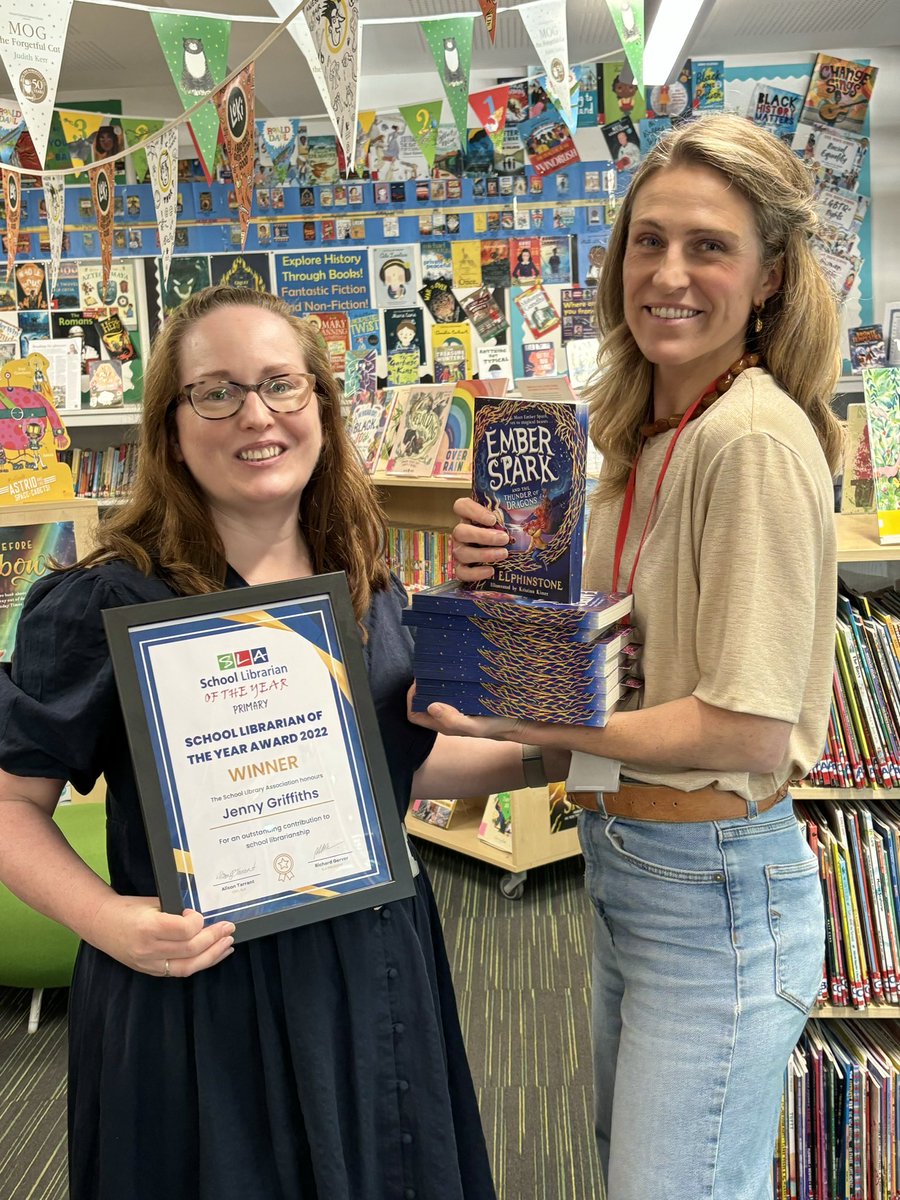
(881, 386)
(496, 825)
(466, 258)
(454, 456)
(529, 469)
(581, 360)
(367, 423)
(422, 420)
(433, 812)
(548, 141)
(578, 305)
(495, 269)
(835, 156)
(494, 362)
(105, 387)
(619, 99)
(483, 310)
(652, 129)
(623, 142)
(365, 329)
(334, 330)
(525, 259)
(776, 110)
(556, 259)
(437, 260)
(402, 367)
(838, 94)
(404, 330)
(359, 371)
(539, 359)
(858, 491)
(866, 343)
(439, 299)
(394, 275)
(537, 310)
(707, 84)
(451, 350)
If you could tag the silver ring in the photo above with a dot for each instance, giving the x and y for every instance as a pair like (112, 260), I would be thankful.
(167, 974)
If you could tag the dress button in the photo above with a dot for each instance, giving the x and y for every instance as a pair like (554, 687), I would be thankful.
(406, 1139)
(399, 1027)
(385, 914)
(403, 1085)
(392, 973)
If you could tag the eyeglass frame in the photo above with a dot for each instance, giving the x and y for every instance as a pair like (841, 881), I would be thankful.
(247, 388)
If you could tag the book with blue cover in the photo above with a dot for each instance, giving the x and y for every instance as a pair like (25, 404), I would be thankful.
(486, 700)
(590, 610)
(529, 466)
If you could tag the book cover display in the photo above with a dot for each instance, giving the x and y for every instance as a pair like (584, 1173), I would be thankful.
(529, 468)
(423, 416)
(882, 392)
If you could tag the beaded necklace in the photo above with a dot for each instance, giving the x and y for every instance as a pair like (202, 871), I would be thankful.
(709, 397)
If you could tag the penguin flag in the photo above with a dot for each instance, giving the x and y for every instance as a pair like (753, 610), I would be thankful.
(55, 201)
(31, 48)
(12, 199)
(196, 51)
(102, 187)
(450, 42)
(489, 10)
(334, 29)
(234, 104)
(545, 22)
(162, 160)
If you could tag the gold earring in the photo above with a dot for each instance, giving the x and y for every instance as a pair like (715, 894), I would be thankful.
(758, 323)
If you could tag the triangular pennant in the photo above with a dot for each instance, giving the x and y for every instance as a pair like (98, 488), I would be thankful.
(79, 129)
(162, 159)
(365, 122)
(196, 51)
(138, 130)
(55, 203)
(489, 11)
(628, 18)
(490, 109)
(299, 31)
(12, 200)
(234, 104)
(102, 188)
(34, 37)
(450, 42)
(423, 120)
(12, 126)
(545, 22)
(334, 29)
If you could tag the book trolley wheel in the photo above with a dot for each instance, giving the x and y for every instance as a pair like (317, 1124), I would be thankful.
(512, 884)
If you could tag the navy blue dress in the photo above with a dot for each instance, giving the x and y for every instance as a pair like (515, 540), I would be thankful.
(321, 1063)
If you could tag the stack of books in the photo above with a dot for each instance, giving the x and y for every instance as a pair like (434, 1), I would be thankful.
(490, 654)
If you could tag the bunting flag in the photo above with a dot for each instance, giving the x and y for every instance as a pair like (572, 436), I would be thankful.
(162, 159)
(137, 130)
(423, 120)
(12, 201)
(365, 122)
(628, 18)
(196, 51)
(545, 22)
(489, 11)
(31, 47)
(12, 126)
(490, 109)
(55, 201)
(102, 187)
(334, 30)
(234, 104)
(450, 42)
(299, 31)
(79, 129)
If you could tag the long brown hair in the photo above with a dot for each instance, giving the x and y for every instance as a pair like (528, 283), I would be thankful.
(799, 339)
(166, 526)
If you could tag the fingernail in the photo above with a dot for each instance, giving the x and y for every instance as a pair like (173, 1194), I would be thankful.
(229, 941)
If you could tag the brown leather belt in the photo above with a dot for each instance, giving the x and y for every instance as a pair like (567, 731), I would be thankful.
(640, 802)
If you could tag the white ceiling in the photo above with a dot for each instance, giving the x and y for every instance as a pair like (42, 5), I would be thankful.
(113, 52)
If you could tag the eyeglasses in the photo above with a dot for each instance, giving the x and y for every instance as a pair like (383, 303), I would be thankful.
(280, 394)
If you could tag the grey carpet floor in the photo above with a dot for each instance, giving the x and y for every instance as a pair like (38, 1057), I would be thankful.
(521, 973)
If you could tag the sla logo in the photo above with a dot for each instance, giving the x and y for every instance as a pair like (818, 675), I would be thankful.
(243, 658)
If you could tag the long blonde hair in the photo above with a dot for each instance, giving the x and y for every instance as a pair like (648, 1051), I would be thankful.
(799, 339)
(166, 526)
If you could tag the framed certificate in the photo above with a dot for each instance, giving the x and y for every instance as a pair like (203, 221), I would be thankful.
(262, 777)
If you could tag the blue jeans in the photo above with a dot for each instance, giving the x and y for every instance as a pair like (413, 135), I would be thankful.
(709, 942)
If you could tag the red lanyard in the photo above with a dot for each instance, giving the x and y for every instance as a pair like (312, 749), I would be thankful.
(628, 502)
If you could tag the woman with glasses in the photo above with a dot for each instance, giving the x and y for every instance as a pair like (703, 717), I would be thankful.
(320, 1063)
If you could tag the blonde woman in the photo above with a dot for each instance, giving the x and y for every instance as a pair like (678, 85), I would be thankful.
(719, 357)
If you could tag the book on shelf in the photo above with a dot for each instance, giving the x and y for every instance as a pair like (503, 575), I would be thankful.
(367, 423)
(866, 346)
(423, 414)
(433, 812)
(838, 93)
(496, 823)
(881, 387)
(529, 465)
(858, 487)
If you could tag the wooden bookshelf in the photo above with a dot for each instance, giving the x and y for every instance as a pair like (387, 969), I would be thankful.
(806, 791)
(857, 539)
(872, 1012)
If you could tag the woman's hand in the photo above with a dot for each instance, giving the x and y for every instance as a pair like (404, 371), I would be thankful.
(478, 541)
(134, 931)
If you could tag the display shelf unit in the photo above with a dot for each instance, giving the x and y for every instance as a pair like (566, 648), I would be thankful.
(80, 418)
(873, 1012)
